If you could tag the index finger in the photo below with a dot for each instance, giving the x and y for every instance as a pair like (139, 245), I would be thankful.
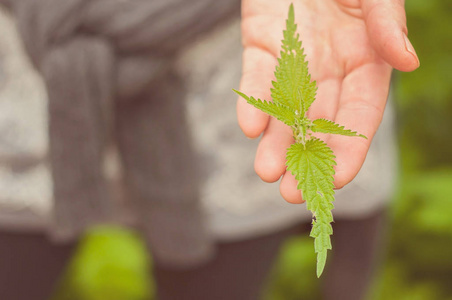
(257, 75)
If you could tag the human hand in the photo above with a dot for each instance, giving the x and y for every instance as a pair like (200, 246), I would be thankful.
(351, 46)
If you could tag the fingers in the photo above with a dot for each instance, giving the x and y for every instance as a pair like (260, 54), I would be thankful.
(263, 31)
(363, 99)
(326, 104)
(270, 162)
(288, 189)
(271, 153)
(257, 75)
(386, 26)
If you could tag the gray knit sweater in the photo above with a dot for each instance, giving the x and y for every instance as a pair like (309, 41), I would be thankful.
(105, 66)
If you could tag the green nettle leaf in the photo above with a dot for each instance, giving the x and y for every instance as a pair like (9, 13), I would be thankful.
(309, 158)
(277, 110)
(312, 164)
(293, 86)
(327, 126)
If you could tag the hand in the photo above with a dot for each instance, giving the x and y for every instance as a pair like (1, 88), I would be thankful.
(351, 46)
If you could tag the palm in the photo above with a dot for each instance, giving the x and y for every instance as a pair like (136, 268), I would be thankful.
(352, 79)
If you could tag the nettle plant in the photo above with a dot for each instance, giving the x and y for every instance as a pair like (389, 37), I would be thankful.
(308, 158)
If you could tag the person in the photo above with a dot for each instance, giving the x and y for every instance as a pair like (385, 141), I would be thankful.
(97, 66)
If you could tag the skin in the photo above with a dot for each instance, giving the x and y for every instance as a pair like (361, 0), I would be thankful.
(352, 47)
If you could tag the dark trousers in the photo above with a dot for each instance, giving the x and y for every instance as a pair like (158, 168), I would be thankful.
(30, 265)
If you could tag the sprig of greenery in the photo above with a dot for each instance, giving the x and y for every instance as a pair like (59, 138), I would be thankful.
(309, 158)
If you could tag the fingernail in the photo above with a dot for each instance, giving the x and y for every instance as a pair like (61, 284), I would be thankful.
(409, 47)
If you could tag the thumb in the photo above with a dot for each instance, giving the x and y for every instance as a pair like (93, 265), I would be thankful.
(386, 26)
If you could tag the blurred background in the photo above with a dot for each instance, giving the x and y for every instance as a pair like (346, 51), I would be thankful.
(112, 263)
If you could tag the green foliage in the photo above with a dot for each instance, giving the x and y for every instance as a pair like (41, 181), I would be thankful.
(327, 126)
(293, 86)
(395, 283)
(312, 165)
(418, 263)
(293, 276)
(430, 33)
(427, 93)
(309, 159)
(277, 110)
(110, 263)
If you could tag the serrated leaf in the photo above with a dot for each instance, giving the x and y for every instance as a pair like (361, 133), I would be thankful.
(321, 262)
(291, 39)
(309, 159)
(277, 110)
(312, 164)
(327, 126)
(293, 86)
(322, 242)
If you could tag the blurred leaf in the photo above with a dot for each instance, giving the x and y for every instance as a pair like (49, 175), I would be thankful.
(293, 277)
(111, 263)
(395, 284)
(424, 97)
